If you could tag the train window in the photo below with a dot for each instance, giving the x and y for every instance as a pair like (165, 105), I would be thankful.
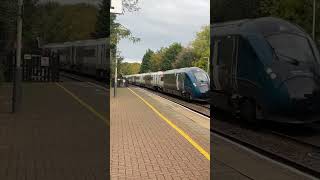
(291, 47)
(200, 76)
(86, 52)
(225, 50)
(247, 60)
(161, 79)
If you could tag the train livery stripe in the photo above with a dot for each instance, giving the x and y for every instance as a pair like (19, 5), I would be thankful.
(87, 106)
(180, 131)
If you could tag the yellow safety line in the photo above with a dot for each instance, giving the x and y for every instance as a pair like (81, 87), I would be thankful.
(180, 131)
(91, 109)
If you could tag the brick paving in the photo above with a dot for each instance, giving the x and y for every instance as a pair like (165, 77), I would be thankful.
(195, 125)
(53, 137)
(143, 146)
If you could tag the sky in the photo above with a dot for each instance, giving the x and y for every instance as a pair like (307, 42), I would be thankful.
(160, 23)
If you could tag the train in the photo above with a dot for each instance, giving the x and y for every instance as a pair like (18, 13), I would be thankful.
(86, 57)
(192, 84)
(265, 68)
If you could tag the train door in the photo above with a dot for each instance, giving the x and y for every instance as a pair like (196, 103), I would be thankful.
(180, 82)
(223, 71)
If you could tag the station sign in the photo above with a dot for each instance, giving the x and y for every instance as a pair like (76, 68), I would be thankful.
(45, 61)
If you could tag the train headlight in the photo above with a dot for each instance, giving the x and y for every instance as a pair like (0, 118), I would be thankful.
(273, 75)
(195, 85)
(269, 70)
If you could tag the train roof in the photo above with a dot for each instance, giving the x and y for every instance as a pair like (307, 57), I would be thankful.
(264, 26)
(78, 43)
(168, 71)
(182, 70)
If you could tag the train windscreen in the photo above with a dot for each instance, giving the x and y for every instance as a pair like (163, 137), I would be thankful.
(200, 76)
(291, 47)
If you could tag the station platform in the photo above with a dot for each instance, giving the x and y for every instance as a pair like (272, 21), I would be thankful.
(151, 138)
(60, 133)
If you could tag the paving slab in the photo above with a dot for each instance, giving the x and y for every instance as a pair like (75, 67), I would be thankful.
(53, 137)
(144, 146)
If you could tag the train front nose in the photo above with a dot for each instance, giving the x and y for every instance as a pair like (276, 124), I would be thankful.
(304, 96)
(204, 90)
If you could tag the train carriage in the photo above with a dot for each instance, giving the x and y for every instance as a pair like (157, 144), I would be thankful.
(87, 57)
(189, 83)
(266, 68)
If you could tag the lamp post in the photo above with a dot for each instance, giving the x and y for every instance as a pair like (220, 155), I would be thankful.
(16, 98)
(116, 70)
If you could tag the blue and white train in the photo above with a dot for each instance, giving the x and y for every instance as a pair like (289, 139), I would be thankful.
(190, 83)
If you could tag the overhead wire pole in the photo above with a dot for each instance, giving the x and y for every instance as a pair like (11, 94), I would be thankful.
(17, 78)
(314, 21)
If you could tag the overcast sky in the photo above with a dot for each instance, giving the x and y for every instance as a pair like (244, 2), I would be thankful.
(160, 23)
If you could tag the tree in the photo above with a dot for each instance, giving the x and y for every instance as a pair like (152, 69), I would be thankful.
(103, 20)
(8, 19)
(185, 58)
(170, 56)
(227, 10)
(118, 31)
(130, 68)
(146, 60)
(157, 59)
(61, 23)
(296, 11)
(201, 47)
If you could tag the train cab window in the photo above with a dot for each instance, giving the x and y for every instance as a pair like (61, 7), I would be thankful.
(247, 59)
(225, 50)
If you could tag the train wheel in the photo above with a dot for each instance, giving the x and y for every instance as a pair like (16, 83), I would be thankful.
(248, 111)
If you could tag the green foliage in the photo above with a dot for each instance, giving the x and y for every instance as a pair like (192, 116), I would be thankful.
(227, 10)
(102, 27)
(296, 11)
(8, 22)
(170, 56)
(61, 23)
(118, 32)
(185, 58)
(145, 65)
(176, 56)
(130, 68)
(201, 48)
(157, 59)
